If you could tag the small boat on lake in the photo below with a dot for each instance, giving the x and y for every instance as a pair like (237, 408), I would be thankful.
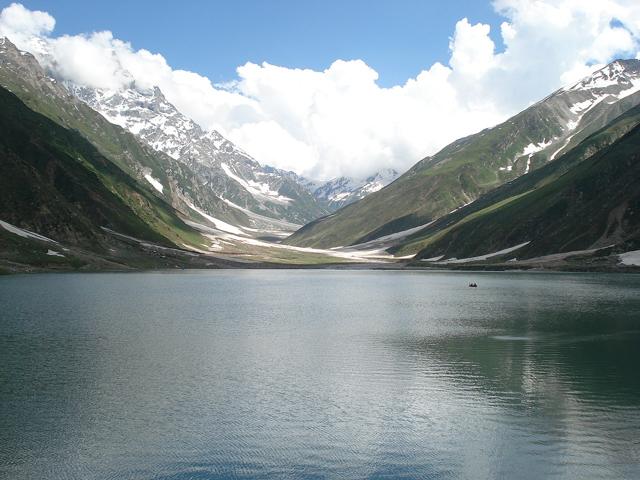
(473, 285)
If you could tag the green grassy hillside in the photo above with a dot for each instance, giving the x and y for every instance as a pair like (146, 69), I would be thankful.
(21, 74)
(56, 183)
(572, 204)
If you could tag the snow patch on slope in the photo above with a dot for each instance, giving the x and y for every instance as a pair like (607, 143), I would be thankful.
(578, 107)
(386, 241)
(220, 225)
(155, 183)
(586, 107)
(534, 148)
(630, 258)
(286, 228)
(432, 259)
(366, 256)
(483, 257)
(531, 149)
(24, 233)
(256, 188)
(635, 82)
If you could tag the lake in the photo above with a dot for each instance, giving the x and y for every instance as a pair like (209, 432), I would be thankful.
(319, 374)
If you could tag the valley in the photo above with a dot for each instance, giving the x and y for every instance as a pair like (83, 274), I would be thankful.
(122, 179)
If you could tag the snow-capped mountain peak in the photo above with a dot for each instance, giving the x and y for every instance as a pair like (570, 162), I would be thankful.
(145, 113)
(342, 191)
(620, 73)
(231, 173)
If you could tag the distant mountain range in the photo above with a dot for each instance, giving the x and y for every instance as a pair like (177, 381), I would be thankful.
(101, 179)
(341, 191)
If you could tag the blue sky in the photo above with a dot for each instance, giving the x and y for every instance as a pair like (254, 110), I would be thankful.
(397, 38)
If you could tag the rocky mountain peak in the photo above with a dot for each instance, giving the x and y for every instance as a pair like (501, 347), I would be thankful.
(9, 53)
(225, 168)
(618, 75)
(341, 191)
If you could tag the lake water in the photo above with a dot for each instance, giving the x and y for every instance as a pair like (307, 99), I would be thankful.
(319, 374)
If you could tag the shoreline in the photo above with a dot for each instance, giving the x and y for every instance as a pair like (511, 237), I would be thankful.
(18, 269)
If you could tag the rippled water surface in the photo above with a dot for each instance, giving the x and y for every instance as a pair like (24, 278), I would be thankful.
(319, 374)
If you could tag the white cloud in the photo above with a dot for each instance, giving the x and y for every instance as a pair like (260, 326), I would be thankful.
(18, 21)
(339, 120)
(472, 50)
(25, 27)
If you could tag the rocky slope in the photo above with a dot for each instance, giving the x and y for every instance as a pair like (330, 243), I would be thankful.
(230, 173)
(173, 181)
(54, 182)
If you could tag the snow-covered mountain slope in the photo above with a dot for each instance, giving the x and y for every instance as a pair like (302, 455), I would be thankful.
(341, 191)
(590, 104)
(231, 173)
(170, 179)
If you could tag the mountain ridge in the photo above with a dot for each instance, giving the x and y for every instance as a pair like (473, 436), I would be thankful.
(486, 225)
(341, 191)
(233, 175)
(472, 166)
